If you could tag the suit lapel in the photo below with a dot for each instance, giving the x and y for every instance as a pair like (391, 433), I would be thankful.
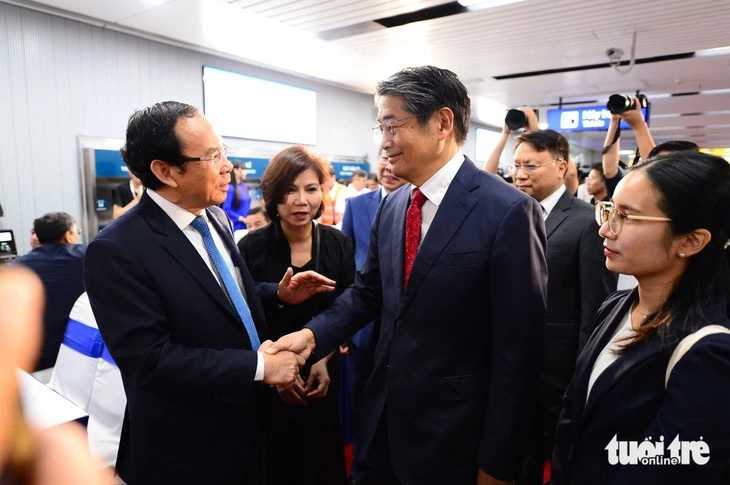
(453, 210)
(178, 246)
(400, 201)
(558, 214)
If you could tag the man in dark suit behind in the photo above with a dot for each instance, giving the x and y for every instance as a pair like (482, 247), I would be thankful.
(578, 281)
(359, 216)
(59, 264)
(179, 311)
(459, 349)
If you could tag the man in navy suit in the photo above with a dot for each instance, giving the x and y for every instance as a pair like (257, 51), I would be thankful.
(59, 264)
(460, 342)
(180, 313)
(579, 281)
(359, 216)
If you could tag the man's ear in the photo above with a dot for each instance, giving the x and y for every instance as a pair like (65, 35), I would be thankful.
(446, 122)
(164, 172)
(66, 239)
(695, 241)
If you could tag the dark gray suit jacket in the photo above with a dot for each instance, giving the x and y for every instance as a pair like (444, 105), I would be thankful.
(578, 284)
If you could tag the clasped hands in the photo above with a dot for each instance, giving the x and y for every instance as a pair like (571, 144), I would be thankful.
(283, 361)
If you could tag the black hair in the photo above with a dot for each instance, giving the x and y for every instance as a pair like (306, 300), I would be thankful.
(151, 136)
(692, 188)
(425, 90)
(547, 140)
(259, 210)
(673, 146)
(52, 227)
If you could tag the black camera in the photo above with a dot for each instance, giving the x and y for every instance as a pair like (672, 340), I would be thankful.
(618, 103)
(516, 119)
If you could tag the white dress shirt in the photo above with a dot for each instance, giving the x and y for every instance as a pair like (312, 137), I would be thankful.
(182, 219)
(549, 202)
(435, 189)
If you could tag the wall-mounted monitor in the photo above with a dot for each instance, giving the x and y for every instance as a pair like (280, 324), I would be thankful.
(242, 106)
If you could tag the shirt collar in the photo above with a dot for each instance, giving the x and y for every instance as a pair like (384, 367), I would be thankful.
(435, 188)
(181, 217)
(549, 202)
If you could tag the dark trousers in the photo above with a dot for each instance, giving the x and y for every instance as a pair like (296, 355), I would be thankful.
(539, 446)
(383, 472)
(360, 363)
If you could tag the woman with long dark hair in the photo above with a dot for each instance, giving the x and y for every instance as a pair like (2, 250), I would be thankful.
(238, 199)
(304, 443)
(631, 417)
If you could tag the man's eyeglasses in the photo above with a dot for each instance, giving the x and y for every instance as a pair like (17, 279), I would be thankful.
(607, 212)
(215, 160)
(529, 167)
(390, 127)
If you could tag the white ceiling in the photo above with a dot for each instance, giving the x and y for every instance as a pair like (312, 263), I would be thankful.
(533, 35)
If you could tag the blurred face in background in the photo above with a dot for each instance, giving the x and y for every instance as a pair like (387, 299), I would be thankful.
(385, 175)
(595, 184)
(256, 221)
(358, 183)
(34, 243)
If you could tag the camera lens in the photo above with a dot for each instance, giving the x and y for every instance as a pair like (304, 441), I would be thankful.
(618, 103)
(515, 119)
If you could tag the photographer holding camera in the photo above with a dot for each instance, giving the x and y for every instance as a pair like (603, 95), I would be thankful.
(628, 108)
(635, 119)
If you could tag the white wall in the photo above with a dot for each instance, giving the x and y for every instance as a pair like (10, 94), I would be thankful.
(60, 79)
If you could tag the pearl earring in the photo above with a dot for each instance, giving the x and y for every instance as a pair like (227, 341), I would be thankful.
(682, 255)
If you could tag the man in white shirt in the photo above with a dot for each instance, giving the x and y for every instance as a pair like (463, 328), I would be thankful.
(179, 312)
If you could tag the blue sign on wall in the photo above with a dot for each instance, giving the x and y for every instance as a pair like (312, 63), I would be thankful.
(586, 118)
(343, 170)
(102, 205)
(109, 163)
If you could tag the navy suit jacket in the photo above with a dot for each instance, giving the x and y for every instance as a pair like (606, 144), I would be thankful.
(360, 213)
(628, 400)
(578, 284)
(186, 359)
(459, 351)
(60, 268)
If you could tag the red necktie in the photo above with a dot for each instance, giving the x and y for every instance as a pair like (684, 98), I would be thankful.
(413, 232)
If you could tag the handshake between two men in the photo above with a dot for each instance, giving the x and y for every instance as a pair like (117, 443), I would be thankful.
(284, 358)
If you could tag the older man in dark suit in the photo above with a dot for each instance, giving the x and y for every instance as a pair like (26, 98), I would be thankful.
(578, 281)
(179, 311)
(457, 264)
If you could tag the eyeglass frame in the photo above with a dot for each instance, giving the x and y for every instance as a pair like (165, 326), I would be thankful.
(381, 128)
(222, 153)
(605, 207)
(528, 168)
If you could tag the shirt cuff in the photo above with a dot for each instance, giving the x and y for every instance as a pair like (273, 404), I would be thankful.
(259, 368)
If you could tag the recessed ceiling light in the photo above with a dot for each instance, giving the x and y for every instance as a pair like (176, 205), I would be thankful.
(718, 51)
(485, 4)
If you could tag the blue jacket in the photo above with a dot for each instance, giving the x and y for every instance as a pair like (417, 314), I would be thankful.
(60, 266)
